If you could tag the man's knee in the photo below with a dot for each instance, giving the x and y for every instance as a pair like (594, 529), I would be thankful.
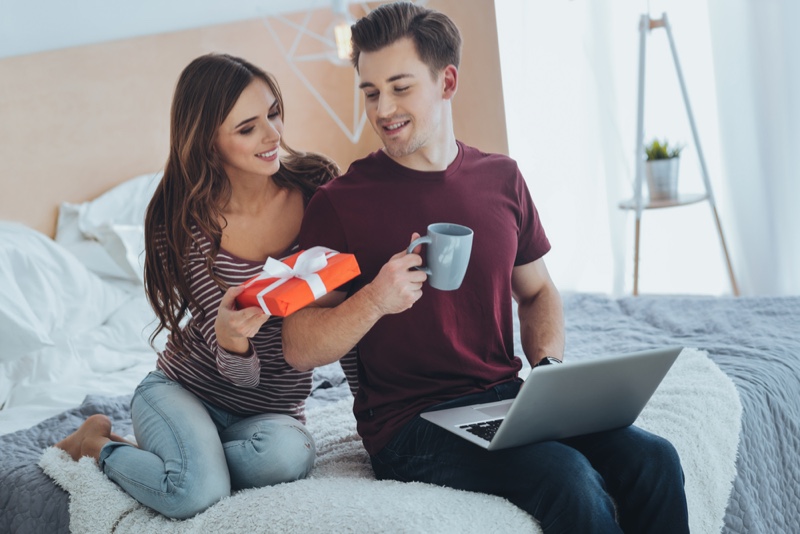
(573, 499)
(658, 455)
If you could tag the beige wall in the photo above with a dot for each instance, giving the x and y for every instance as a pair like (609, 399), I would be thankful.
(75, 122)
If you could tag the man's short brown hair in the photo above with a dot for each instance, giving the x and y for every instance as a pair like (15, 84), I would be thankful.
(435, 36)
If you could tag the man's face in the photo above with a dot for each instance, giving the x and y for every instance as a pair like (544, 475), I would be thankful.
(403, 102)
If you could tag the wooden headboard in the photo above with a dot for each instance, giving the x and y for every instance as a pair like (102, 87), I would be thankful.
(77, 121)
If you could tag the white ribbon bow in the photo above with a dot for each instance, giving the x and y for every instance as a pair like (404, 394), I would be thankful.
(306, 267)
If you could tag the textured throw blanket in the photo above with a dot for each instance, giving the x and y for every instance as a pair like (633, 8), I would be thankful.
(696, 407)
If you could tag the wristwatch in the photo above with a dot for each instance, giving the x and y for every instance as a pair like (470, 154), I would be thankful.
(547, 360)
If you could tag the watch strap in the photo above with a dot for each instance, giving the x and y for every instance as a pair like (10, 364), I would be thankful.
(547, 360)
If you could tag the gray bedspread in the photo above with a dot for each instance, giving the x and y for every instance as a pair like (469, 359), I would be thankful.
(30, 502)
(755, 341)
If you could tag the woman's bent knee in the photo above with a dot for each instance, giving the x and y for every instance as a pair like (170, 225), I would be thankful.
(280, 452)
(186, 502)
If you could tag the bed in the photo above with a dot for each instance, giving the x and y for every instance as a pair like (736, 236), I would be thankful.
(75, 323)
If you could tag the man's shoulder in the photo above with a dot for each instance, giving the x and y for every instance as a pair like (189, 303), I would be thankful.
(358, 171)
(499, 162)
(474, 153)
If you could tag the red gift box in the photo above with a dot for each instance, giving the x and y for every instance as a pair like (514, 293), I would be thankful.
(287, 285)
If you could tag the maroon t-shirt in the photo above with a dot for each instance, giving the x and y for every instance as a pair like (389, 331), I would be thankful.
(450, 343)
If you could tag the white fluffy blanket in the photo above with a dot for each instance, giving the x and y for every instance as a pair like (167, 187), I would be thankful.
(696, 407)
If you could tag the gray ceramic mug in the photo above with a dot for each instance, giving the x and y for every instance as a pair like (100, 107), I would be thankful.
(449, 247)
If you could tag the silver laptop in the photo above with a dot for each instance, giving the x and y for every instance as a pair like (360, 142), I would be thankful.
(564, 400)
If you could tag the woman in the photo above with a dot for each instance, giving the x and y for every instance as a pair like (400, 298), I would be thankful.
(223, 411)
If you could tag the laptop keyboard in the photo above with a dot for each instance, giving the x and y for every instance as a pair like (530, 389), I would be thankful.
(484, 429)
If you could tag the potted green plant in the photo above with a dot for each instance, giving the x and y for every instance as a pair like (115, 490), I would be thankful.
(662, 169)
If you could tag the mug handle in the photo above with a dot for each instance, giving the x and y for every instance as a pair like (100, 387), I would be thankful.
(420, 241)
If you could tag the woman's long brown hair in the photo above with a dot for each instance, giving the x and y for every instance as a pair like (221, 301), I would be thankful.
(195, 188)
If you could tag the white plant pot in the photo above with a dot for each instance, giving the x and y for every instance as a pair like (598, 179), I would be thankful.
(662, 178)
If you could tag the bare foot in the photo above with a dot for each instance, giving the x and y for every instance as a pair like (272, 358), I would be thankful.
(88, 439)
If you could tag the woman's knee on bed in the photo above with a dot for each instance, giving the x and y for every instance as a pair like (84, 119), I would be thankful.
(186, 502)
(177, 488)
(268, 449)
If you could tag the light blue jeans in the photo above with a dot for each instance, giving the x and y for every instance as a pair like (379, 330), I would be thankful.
(191, 453)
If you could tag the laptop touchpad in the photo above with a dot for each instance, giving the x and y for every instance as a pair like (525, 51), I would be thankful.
(498, 410)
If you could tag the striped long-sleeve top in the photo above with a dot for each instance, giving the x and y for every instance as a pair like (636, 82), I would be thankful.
(259, 383)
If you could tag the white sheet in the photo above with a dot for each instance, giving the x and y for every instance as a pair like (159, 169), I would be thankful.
(70, 329)
(108, 360)
(46, 292)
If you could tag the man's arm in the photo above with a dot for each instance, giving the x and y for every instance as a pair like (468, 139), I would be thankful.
(541, 315)
(326, 331)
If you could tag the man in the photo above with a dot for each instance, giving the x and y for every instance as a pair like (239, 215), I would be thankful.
(420, 348)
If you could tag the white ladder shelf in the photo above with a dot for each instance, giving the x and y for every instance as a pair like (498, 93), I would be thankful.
(637, 203)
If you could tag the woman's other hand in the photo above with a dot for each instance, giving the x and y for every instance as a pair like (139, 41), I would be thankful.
(234, 327)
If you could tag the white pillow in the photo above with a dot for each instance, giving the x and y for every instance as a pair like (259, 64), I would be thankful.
(124, 204)
(44, 289)
(89, 251)
(107, 234)
(124, 243)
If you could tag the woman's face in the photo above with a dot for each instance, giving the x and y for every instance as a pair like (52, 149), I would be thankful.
(248, 139)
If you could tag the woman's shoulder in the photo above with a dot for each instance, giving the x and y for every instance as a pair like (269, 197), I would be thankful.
(307, 171)
(200, 244)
